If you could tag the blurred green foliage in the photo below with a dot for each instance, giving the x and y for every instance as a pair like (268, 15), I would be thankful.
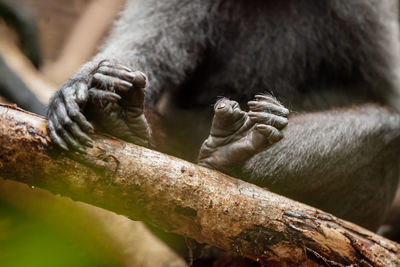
(50, 231)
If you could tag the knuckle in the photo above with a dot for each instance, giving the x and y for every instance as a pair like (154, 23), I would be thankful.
(63, 91)
(104, 62)
(59, 128)
(67, 90)
(269, 118)
(66, 122)
(94, 93)
(73, 113)
(50, 111)
(103, 69)
(285, 111)
(98, 76)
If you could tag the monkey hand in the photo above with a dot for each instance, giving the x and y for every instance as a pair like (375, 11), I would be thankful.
(236, 135)
(109, 84)
(67, 125)
(116, 103)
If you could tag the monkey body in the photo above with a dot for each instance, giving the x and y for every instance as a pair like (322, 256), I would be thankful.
(333, 63)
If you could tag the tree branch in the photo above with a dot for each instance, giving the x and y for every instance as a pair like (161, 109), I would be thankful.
(187, 199)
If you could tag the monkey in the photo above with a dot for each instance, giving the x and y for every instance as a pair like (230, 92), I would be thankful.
(11, 85)
(332, 64)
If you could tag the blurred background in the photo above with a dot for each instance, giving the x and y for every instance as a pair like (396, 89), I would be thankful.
(42, 43)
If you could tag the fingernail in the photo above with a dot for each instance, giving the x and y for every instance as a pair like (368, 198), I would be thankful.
(127, 84)
(286, 112)
(276, 137)
(222, 105)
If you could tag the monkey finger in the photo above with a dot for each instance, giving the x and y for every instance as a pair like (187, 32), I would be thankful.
(82, 137)
(257, 141)
(264, 106)
(228, 117)
(139, 79)
(54, 136)
(107, 63)
(135, 98)
(64, 123)
(225, 107)
(67, 138)
(101, 95)
(71, 95)
(267, 98)
(269, 119)
(122, 74)
(273, 134)
(74, 113)
(81, 94)
(109, 107)
(61, 116)
(72, 110)
(82, 122)
(70, 100)
(110, 83)
(72, 142)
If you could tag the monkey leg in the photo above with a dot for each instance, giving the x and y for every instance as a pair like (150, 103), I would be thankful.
(344, 161)
(236, 135)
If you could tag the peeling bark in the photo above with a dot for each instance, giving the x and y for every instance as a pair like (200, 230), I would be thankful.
(187, 199)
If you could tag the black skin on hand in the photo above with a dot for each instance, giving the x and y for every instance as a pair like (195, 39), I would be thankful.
(116, 103)
(236, 135)
(112, 96)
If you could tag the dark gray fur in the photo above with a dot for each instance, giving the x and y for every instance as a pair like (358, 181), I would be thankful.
(334, 63)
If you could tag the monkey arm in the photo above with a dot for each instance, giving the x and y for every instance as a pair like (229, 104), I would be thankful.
(322, 152)
(165, 47)
(148, 38)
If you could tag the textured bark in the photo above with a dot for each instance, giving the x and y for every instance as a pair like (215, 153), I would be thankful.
(181, 197)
